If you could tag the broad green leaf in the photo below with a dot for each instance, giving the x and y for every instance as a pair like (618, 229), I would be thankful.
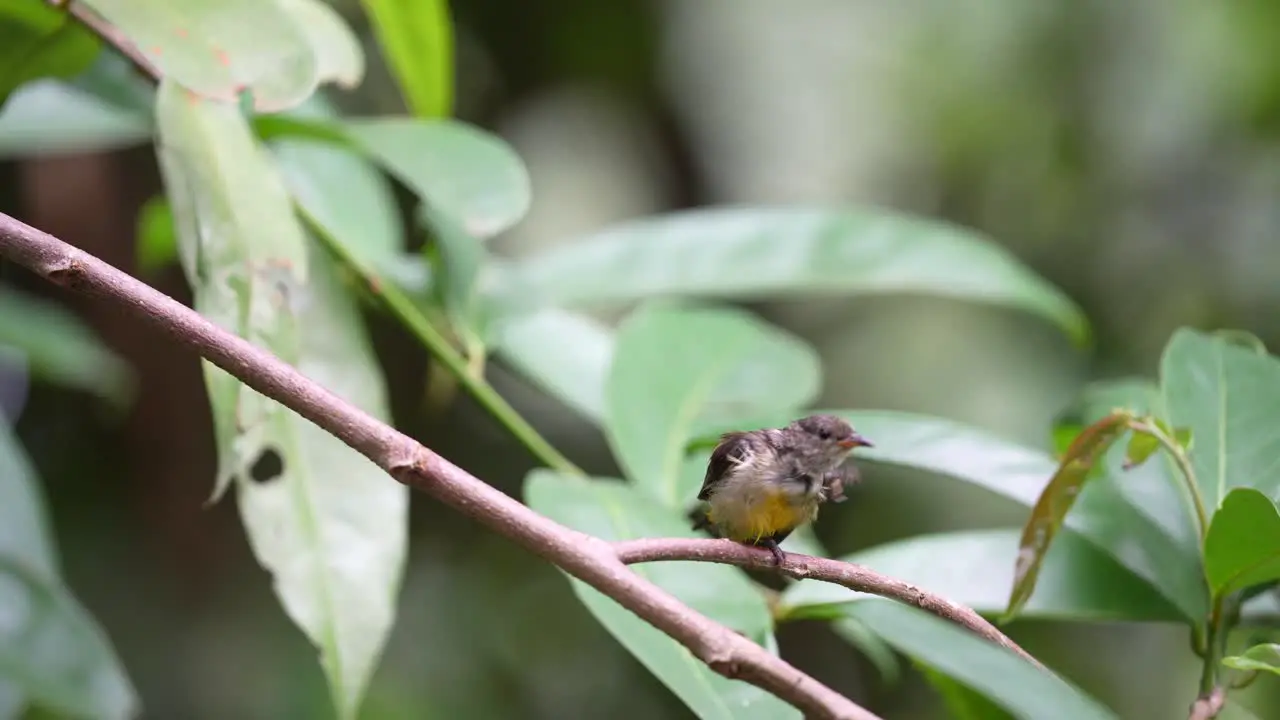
(462, 258)
(877, 652)
(613, 510)
(1006, 679)
(52, 653)
(38, 41)
(1229, 397)
(220, 49)
(1242, 548)
(156, 244)
(961, 701)
(1259, 658)
(47, 117)
(671, 363)
(971, 567)
(339, 57)
(461, 171)
(1164, 553)
(416, 39)
(1057, 499)
(564, 353)
(61, 349)
(760, 252)
(342, 192)
(329, 526)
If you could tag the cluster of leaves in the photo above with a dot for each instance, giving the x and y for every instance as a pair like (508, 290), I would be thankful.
(273, 201)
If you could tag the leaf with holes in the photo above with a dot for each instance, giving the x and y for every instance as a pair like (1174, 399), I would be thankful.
(52, 653)
(219, 48)
(1056, 499)
(768, 252)
(1242, 548)
(1229, 398)
(329, 526)
(671, 363)
(613, 510)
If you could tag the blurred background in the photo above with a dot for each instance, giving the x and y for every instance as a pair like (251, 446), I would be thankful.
(1128, 152)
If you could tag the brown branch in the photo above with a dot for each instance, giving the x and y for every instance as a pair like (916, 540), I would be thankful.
(1208, 706)
(587, 558)
(854, 577)
(110, 34)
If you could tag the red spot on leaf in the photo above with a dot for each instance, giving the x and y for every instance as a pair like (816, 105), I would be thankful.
(156, 50)
(223, 57)
(375, 286)
(181, 32)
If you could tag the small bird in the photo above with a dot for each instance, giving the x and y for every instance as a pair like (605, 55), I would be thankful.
(763, 484)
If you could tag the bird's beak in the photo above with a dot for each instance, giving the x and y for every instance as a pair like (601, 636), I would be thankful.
(855, 441)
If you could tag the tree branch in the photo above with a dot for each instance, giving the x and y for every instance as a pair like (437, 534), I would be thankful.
(587, 558)
(854, 577)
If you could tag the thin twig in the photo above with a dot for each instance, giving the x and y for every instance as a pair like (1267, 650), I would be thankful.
(587, 558)
(110, 34)
(854, 577)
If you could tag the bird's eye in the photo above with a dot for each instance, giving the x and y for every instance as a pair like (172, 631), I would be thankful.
(825, 434)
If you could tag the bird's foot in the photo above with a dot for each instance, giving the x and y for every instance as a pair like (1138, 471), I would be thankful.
(779, 556)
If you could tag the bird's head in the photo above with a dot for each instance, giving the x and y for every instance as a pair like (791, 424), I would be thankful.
(830, 437)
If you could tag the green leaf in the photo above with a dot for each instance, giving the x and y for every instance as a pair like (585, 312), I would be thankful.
(878, 652)
(61, 349)
(461, 171)
(37, 41)
(972, 568)
(157, 243)
(1159, 547)
(342, 191)
(1004, 678)
(1141, 447)
(566, 354)
(671, 363)
(1242, 548)
(339, 57)
(462, 258)
(962, 702)
(47, 117)
(1229, 397)
(52, 653)
(329, 526)
(1057, 499)
(220, 48)
(759, 252)
(613, 510)
(1259, 658)
(416, 38)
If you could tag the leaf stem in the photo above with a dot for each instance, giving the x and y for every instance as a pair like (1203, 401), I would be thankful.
(1185, 468)
(399, 305)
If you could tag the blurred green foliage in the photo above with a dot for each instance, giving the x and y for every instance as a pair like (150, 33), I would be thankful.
(1091, 140)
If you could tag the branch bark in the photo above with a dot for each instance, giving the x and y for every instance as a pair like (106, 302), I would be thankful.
(854, 577)
(587, 558)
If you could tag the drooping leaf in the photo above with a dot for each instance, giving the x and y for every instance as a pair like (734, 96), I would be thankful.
(1259, 658)
(60, 349)
(326, 522)
(564, 353)
(1078, 581)
(1242, 547)
(1137, 517)
(52, 653)
(219, 48)
(671, 362)
(339, 57)
(1006, 679)
(416, 39)
(157, 241)
(1056, 500)
(617, 511)
(1229, 397)
(759, 252)
(38, 41)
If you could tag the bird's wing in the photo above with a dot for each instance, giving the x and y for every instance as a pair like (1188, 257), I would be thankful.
(731, 449)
